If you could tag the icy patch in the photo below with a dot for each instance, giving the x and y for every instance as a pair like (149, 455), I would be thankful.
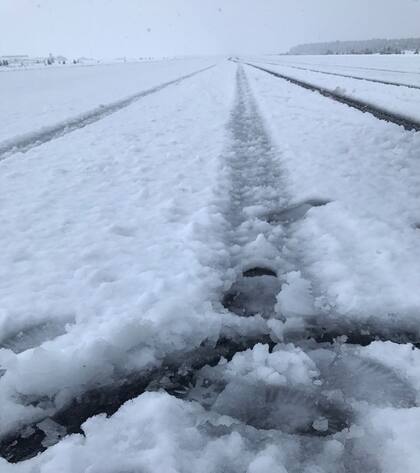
(34, 336)
(53, 432)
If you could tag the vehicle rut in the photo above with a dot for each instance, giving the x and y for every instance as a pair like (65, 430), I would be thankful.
(376, 81)
(345, 66)
(378, 112)
(259, 214)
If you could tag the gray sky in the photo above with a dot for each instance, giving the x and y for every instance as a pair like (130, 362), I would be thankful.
(110, 28)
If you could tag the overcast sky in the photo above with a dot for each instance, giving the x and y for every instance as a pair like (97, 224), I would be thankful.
(111, 28)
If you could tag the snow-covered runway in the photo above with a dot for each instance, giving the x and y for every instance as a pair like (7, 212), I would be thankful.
(227, 268)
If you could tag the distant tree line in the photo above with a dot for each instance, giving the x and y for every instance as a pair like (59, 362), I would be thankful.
(372, 46)
(24, 60)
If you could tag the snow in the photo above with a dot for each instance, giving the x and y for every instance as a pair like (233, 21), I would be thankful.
(58, 94)
(159, 431)
(93, 242)
(398, 100)
(360, 251)
(295, 297)
(230, 208)
(396, 438)
(403, 69)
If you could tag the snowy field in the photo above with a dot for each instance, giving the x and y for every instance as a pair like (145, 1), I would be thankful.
(220, 276)
(352, 76)
(403, 68)
(33, 99)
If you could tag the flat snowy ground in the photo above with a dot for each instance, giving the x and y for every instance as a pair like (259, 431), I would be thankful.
(37, 98)
(228, 267)
(404, 69)
(400, 94)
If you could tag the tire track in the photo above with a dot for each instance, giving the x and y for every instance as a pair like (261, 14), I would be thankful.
(378, 112)
(256, 212)
(254, 180)
(255, 176)
(255, 189)
(377, 81)
(356, 67)
(32, 140)
(399, 71)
